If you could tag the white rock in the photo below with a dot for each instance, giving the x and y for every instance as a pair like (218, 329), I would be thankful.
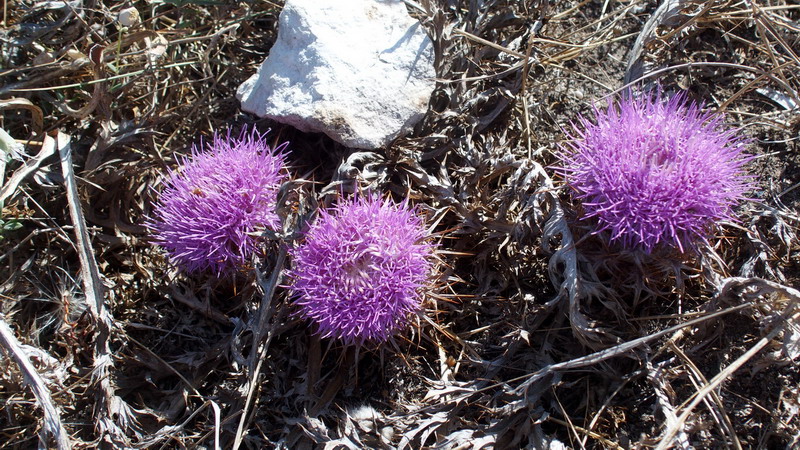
(360, 71)
(129, 17)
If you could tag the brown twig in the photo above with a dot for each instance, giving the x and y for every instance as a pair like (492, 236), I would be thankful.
(109, 405)
(733, 288)
(28, 167)
(52, 420)
(258, 353)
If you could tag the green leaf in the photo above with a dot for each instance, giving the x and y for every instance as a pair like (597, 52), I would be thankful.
(12, 225)
(8, 144)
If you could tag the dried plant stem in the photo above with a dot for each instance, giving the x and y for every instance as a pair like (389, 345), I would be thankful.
(588, 433)
(572, 287)
(729, 289)
(724, 421)
(37, 116)
(612, 352)
(28, 167)
(742, 67)
(600, 411)
(259, 352)
(655, 374)
(191, 301)
(52, 421)
(108, 404)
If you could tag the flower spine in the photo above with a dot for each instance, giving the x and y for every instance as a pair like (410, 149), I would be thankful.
(213, 208)
(360, 270)
(654, 171)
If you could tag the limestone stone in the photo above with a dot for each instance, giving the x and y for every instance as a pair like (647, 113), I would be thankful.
(360, 71)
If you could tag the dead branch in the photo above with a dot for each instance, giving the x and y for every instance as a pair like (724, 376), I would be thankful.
(52, 420)
(114, 417)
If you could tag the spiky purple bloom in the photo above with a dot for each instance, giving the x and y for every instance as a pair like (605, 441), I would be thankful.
(359, 272)
(212, 209)
(655, 171)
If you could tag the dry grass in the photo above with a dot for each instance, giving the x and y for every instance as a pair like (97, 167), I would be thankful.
(538, 336)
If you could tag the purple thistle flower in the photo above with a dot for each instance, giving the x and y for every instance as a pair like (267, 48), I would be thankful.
(212, 209)
(359, 272)
(656, 172)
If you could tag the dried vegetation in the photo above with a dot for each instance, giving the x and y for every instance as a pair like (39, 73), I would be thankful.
(538, 334)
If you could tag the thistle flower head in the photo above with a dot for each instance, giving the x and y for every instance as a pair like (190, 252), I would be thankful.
(656, 172)
(213, 207)
(360, 269)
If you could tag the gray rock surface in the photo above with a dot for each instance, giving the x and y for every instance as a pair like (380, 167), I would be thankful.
(360, 71)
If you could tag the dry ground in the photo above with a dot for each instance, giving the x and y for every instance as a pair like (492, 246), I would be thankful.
(537, 334)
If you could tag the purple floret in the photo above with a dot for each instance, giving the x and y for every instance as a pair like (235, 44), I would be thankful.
(213, 208)
(656, 172)
(359, 272)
